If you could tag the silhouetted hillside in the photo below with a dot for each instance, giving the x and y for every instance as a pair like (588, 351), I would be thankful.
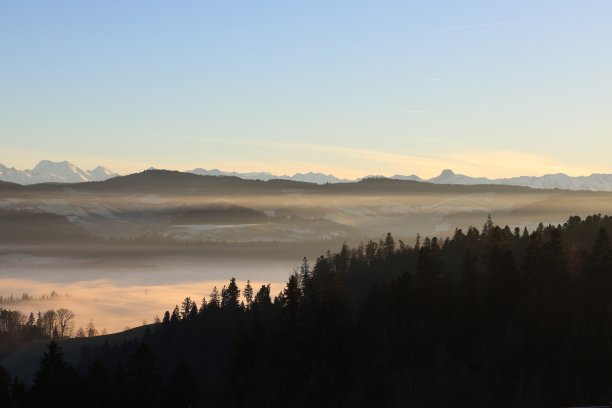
(6, 186)
(168, 182)
(219, 214)
(17, 226)
(490, 317)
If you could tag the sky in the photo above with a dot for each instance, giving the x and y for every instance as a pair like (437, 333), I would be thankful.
(486, 88)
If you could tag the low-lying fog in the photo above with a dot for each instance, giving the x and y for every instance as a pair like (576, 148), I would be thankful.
(125, 255)
(119, 294)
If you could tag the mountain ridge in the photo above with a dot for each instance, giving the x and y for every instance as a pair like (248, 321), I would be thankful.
(47, 171)
(593, 182)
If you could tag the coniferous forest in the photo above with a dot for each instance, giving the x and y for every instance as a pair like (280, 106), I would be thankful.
(490, 317)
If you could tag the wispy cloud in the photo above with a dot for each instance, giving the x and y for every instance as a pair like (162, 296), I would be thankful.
(482, 25)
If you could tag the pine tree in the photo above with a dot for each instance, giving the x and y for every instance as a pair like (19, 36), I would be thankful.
(193, 314)
(262, 298)
(248, 294)
(291, 296)
(91, 329)
(31, 320)
(185, 308)
(215, 299)
(305, 273)
(488, 227)
(230, 296)
(202, 306)
(55, 380)
(342, 259)
(525, 233)
(389, 245)
(176, 314)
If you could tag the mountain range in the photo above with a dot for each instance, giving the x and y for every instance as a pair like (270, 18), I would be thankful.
(594, 182)
(54, 172)
(65, 172)
(318, 178)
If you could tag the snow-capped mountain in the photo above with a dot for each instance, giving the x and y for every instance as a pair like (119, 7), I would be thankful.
(318, 178)
(100, 173)
(248, 176)
(54, 172)
(594, 182)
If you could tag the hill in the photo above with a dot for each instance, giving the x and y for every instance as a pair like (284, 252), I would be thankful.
(442, 323)
(21, 226)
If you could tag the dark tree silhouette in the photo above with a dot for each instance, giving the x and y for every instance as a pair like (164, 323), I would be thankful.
(185, 308)
(143, 378)
(97, 386)
(498, 318)
(182, 390)
(5, 387)
(215, 299)
(55, 380)
(176, 314)
(248, 294)
(230, 296)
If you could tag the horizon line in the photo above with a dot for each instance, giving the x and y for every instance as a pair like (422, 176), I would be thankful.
(299, 173)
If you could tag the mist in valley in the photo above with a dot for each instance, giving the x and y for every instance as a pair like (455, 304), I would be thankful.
(119, 295)
(126, 256)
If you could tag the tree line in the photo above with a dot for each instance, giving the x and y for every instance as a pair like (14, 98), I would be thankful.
(25, 297)
(17, 327)
(490, 317)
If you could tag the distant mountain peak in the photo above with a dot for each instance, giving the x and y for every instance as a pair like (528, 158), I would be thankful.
(310, 177)
(100, 173)
(47, 171)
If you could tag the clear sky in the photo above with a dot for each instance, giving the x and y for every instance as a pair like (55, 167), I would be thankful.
(487, 88)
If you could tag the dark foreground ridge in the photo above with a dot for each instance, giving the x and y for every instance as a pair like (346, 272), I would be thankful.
(488, 318)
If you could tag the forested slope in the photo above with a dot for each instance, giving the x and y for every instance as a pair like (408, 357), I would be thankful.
(489, 317)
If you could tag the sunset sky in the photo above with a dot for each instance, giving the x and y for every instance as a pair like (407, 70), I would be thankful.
(486, 88)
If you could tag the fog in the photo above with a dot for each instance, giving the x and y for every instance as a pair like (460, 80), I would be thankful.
(302, 217)
(116, 295)
(126, 252)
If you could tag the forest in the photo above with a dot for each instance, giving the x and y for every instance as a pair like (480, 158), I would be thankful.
(491, 317)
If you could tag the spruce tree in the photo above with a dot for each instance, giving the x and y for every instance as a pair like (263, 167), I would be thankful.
(248, 294)
(55, 380)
